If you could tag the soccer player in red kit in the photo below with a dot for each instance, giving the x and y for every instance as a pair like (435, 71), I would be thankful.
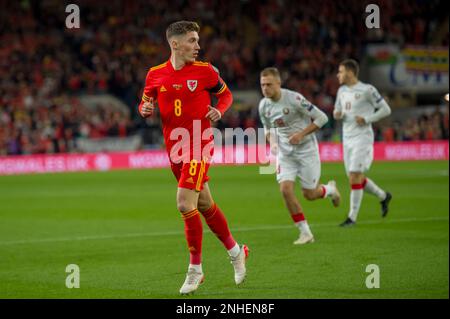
(181, 89)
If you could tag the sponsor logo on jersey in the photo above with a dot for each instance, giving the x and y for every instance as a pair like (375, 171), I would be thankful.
(162, 89)
(357, 96)
(190, 180)
(177, 86)
(286, 111)
(192, 85)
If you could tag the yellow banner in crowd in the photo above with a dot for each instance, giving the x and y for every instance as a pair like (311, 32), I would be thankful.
(426, 59)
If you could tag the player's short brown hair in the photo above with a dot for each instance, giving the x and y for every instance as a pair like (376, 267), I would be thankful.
(351, 65)
(271, 71)
(181, 28)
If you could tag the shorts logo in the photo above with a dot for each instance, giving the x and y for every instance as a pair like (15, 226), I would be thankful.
(192, 85)
(286, 111)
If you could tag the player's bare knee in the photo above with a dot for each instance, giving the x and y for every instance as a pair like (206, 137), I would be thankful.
(184, 206)
(204, 205)
(356, 178)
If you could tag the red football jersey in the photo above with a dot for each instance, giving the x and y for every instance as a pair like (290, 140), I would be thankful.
(183, 96)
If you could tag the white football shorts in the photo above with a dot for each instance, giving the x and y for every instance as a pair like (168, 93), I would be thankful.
(358, 154)
(304, 164)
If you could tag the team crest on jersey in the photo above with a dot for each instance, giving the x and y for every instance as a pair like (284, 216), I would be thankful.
(192, 85)
(268, 113)
(286, 111)
(177, 86)
(357, 96)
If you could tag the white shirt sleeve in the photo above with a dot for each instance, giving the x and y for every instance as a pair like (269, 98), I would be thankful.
(264, 120)
(382, 109)
(307, 108)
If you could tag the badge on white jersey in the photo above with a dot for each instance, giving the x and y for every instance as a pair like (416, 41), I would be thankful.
(307, 105)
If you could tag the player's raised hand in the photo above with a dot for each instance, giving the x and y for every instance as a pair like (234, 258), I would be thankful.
(147, 108)
(213, 114)
(296, 138)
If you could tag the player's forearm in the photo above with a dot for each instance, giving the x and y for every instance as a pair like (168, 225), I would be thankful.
(225, 99)
(311, 128)
(270, 139)
(320, 118)
(382, 112)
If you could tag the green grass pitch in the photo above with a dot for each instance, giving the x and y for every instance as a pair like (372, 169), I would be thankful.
(123, 231)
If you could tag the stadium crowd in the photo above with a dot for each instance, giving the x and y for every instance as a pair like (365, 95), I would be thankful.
(44, 66)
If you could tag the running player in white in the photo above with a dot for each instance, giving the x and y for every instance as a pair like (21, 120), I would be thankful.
(295, 120)
(358, 105)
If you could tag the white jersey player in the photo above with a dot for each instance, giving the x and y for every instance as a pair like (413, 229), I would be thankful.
(359, 105)
(295, 120)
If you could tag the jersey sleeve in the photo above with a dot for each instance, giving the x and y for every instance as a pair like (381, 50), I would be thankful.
(308, 109)
(374, 97)
(382, 109)
(214, 82)
(149, 91)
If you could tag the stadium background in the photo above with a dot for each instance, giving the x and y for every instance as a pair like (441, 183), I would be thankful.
(76, 91)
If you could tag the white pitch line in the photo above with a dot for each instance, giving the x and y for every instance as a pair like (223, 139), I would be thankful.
(244, 229)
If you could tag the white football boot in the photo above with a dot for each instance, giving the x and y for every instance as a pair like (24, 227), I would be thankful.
(336, 197)
(305, 238)
(238, 263)
(193, 280)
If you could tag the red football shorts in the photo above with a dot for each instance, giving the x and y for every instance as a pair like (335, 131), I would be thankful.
(191, 175)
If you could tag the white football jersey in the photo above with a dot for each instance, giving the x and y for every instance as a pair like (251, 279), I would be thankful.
(290, 114)
(359, 100)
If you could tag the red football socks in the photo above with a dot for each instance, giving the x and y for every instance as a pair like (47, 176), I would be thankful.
(298, 217)
(218, 224)
(193, 230)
